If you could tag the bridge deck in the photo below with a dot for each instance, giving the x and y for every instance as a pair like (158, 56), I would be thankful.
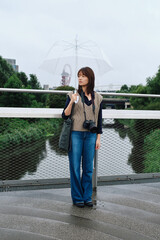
(127, 212)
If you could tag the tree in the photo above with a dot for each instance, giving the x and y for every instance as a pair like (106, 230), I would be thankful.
(23, 77)
(153, 84)
(137, 102)
(33, 82)
(124, 88)
(10, 99)
(152, 152)
(6, 71)
(13, 82)
(57, 100)
(152, 87)
(132, 88)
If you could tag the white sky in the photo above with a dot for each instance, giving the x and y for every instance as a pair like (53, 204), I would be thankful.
(128, 31)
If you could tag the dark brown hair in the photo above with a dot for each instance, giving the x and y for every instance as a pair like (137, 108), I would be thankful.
(88, 72)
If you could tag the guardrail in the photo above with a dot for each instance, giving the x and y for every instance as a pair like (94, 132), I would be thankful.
(10, 112)
(65, 92)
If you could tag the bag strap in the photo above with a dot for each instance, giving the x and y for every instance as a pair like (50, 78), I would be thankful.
(72, 110)
(93, 105)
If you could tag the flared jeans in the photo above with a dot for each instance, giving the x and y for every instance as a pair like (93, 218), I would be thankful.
(83, 148)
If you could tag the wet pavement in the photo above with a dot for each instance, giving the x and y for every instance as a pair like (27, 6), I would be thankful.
(129, 212)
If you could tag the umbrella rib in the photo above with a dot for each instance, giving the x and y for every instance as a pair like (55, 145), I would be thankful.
(68, 48)
(85, 52)
(89, 51)
(69, 43)
(87, 42)
(54, 44)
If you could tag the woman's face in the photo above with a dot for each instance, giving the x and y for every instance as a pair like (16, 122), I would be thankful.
(83, 80)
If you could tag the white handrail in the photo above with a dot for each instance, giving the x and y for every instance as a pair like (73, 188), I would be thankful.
(13, 112)
(65, 92)
(32, 91)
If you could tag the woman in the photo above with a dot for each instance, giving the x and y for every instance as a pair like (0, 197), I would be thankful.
(85, 136)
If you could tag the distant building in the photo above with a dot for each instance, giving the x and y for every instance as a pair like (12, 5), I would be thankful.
(12, 62)
(54, 87)
(46, 87)
(108, 88)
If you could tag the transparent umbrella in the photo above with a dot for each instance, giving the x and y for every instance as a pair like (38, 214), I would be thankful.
(75, 55)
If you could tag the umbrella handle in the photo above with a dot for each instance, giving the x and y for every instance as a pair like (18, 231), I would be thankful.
(77, 99)
(75, 91)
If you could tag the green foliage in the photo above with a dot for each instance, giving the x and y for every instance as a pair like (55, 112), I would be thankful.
(144, 135)
(57, 100)
(8, 125)
(153, 105)
(23, 77)
(137, 131)
(152, 152)
(16, 131)
(33, 82)
(21, 136)
(137, 102)
(152, 87)
(19, 131)
(65, 88)
(13, 82)
(153, 84)
(9, 99)
(124, 88)
(127, 122)
(19, 80)
(133, 89)
(36, 104)
(10, 79)
(39, 98)
(43, 99)
(6, 71)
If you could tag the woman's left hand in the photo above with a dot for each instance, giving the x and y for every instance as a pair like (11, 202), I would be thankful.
(98, 143)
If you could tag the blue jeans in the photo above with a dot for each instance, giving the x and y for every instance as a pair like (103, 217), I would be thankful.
(83, 145)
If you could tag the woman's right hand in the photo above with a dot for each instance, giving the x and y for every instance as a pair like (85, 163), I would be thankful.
(74, 97)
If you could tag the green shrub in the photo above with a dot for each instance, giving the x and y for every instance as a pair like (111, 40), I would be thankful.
(24, 132)
(58, 100)
(152, 152)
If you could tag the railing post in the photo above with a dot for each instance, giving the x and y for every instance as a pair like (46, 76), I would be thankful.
(95, 170)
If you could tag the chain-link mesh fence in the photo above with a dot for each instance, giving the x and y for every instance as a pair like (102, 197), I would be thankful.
(29, 146)
(128, 146)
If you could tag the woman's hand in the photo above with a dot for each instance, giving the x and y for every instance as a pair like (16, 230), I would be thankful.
(68, 110)
(98, 144)
(74, 97)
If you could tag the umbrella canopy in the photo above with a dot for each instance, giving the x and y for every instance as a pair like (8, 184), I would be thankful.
(75, 56)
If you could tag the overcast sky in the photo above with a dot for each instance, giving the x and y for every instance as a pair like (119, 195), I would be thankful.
(128, 31)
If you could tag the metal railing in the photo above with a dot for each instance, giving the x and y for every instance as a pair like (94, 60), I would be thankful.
(8, 112)
(65, 92)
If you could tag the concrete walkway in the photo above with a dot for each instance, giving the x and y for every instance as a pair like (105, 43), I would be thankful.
(129, 212)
